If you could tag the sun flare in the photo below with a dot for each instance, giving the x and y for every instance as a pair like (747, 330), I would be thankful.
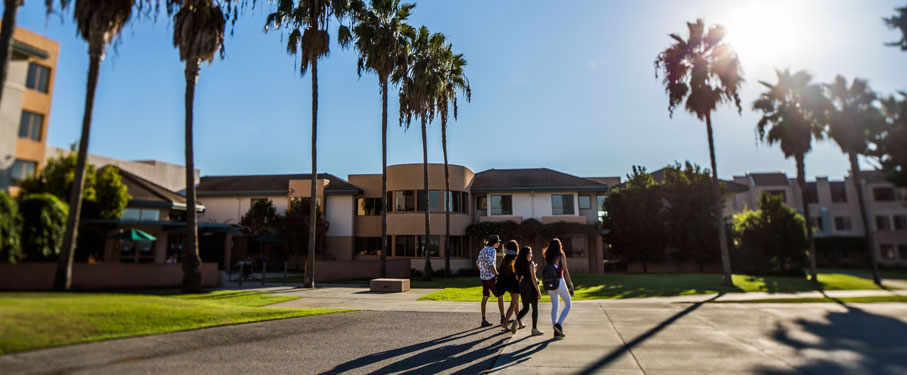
(766, 32)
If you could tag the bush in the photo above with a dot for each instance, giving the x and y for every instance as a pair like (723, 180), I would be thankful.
(10, 227)
(472, 271)
(43, 223)
(771, 241)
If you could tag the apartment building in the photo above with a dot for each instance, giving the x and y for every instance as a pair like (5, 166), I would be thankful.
(834, 208)
(25, 107)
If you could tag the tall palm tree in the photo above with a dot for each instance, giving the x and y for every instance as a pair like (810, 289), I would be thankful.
(792, 112)
(98, 21)
(703, 72)
(198, 32)
(898, 21)
(380, 34)
(891, 138)
(419, 90)
(452, 79)
(852, 119)
(309, 21)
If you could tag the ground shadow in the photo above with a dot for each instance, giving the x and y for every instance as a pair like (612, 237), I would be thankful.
(853, 341)
(433, 356)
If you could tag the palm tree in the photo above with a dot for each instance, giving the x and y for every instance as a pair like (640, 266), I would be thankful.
(98, 21)
(380, 34)
(703, 72)
(792, 115)
(198, 32)
(309, 22)
(851, 121)
(418, 97)
(891, 138)
(452, 79)
(898, 21)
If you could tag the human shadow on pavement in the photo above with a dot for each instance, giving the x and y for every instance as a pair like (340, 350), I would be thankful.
(853, 341)
(519, 356)
(617, 353)
(439, 356)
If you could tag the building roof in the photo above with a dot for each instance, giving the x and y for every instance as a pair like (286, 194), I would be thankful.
(659, 177)
(147, 193)
(531, 179)
(277, 184)
(769, 179)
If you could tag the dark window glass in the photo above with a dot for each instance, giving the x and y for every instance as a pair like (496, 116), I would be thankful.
(838, 192)
(902, 252)
(390, 201)
(368, 207)
(21, 170)
(883, 194)
(887, 251)
(600, 201)
(431, 246)
(842, 223)
(38, 75)
(900, 222)
(464, 202)
(482, 203)
(883, 222)
(816, 222)
(405, 246)
(434, 200)
(30, 125)
(501, 205)
(368, 246)
(456, 246)
(456, 202)
(406, 200)
(562, 204)
(812, 193)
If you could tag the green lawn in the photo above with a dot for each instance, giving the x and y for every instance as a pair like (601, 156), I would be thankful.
(867, 273)
(824, 300)
(613, 286)
(40, 320)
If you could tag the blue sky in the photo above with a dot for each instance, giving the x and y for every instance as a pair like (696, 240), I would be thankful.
(564, 85)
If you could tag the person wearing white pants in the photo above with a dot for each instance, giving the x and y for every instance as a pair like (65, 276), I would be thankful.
(554, 255)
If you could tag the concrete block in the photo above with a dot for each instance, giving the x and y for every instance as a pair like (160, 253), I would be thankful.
(389, 285)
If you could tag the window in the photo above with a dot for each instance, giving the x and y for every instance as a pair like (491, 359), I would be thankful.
(842, 223)
(883, 222)
(368, 207)
(21, 170)
(902, 252)
(434, 200)
(136, 251)
(502, 205)
(405, 246)
(368, 246)
(777, 193)
(816, 222)
(812, 193)
(456, 202)
(464, 202)
(887, 252)
(431, 246)
(30, 125)
(38, 75)
(585, 202)
(175, 246)
(457, 245)
(883, 194)
(900, 222)
(838, 192)
(141, 214)
(389, 206)
(562, 204)
(406, 200)
(574, 246)
(481, 203)
(601, 207)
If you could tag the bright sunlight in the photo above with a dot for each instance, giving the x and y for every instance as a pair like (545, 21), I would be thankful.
(767, 32)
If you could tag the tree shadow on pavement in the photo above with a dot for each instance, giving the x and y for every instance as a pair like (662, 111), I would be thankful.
(853, 341)
(433, 356)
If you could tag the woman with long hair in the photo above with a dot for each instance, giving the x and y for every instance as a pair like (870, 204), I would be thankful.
(529, 288)
(507, 282)
(557, 261)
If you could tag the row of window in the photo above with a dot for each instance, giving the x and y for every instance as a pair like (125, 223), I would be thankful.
(414, 201)
(883, 222)
(407, 246)
(839, 194)
(888, 252)
(561, 204)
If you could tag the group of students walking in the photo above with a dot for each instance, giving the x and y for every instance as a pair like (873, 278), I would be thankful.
(517, 275)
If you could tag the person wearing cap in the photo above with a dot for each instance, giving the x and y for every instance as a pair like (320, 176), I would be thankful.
(489, 274)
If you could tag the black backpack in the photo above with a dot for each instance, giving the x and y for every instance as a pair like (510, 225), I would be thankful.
(550, 277)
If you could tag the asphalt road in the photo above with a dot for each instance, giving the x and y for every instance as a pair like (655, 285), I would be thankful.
(346, 343)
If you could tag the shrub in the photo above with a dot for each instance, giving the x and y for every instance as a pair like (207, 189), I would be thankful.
(770, 241)
(43, 223)
(10, 227)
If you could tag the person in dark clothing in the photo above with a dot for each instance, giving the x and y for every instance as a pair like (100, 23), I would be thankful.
(507, 282)
(525, 269)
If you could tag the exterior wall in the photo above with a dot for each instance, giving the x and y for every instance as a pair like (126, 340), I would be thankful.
(229, 210)
(340, 213)
(170, 176)
(359, 269)
(40, 276)
(530, 205)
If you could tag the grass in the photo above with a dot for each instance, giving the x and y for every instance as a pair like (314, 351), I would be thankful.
(40, 320)
(615, 286)
(824, 300)
(867, 273)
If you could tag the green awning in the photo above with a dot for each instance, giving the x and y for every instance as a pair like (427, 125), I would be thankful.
(269, 238)
(29, 50)
(133, 235)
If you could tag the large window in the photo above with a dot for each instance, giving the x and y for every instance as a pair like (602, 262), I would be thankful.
(434, 200)
(887, 252)
(431, 246)
(883, 194)
(38, 75)
(30, 125)
(502, 205)
(562, 204)
(457, 246)
(900, 222)
(368, 245)
(141, 214)
(574, 246)
(406, 200)
(457, 202)
(482, 203)
(136, 251)
(883, 222)
(842, 223)
(585, 202)
(838, 192)
(812, 193)
(405, 246)
(21, 170)
(902, 251)
(601, 207)
(816, 222)
(368, 207)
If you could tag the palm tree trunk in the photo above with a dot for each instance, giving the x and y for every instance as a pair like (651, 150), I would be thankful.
(63, 276)
(384, 245)
(446, 199)
(801, 181)
(427, 271)
(313, 218)
(6, 37)
(192, 263)
(719, 211)
(870, 240)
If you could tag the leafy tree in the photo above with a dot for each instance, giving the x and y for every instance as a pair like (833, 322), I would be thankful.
(898, 21)
(635, 220)
(198, 32)
(890, 139)
(792, 115)
(852, 119)
(10, 227)
(309, 21)
(703, 72)
(261, 219)
(104, 196)
(43, 224)
(771, 240)
(419, 90)
(689, 215)
(295, 222)
(380, 37)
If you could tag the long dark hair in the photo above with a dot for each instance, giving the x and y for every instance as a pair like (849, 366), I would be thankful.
(507, 262)
(553, 250)
(521, 266)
